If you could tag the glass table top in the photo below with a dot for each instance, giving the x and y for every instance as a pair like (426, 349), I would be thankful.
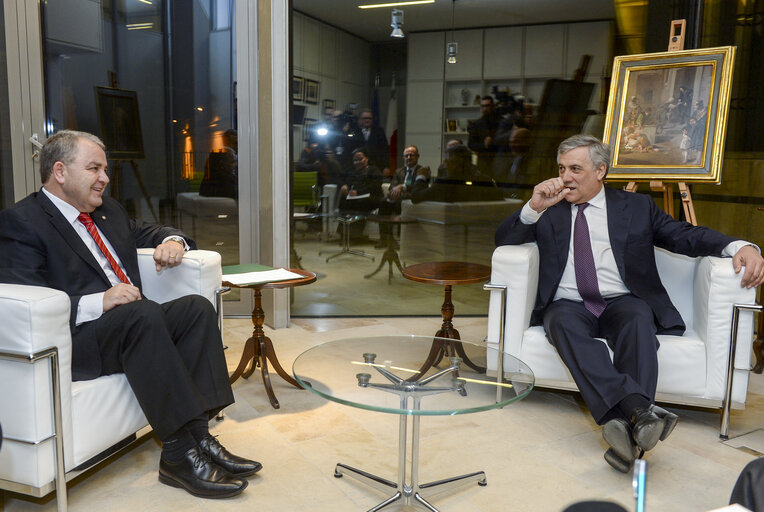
(384, 374)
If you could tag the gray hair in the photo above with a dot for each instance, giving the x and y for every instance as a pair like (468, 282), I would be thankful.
(62, 147)
(599, 153)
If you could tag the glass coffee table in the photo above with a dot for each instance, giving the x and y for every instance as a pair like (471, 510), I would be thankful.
(383, 374)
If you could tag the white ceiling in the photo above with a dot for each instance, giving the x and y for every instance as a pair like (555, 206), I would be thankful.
(374, 24)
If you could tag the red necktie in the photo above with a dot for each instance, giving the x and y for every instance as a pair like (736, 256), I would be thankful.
(87, 221)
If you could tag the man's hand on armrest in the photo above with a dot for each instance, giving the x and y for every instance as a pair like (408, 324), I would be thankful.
(749, 258)
(169, 254)
(120, 294)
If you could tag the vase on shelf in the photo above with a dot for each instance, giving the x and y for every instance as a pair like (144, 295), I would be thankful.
(465, 97)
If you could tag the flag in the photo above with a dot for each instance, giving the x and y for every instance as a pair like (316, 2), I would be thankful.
(392, 127)
(375, 102)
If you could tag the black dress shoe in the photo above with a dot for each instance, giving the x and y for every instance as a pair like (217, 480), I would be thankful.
(617, 434)
(669, 418)
(237, 466)
(199, 476)
(617, 462)
(647, 428)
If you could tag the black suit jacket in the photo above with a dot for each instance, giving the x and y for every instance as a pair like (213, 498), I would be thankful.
(39, 247)
(635, 226)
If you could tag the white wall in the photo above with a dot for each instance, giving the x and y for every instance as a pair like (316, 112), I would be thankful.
(522, 58)
(339, 62)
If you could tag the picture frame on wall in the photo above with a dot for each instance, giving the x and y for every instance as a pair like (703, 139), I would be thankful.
(298, 88)
(329, 104)
(119, 123)
(311, 91)
(667, 115)
(452, 125)
(308, 127)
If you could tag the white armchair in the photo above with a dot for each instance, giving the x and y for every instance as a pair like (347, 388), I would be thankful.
(693, 368)
(93, 419)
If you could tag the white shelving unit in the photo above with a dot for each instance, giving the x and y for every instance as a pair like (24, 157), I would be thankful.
(521, 58)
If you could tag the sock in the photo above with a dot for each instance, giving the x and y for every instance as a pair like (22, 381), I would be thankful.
(630, 403)
(198, 427)
(176, 445)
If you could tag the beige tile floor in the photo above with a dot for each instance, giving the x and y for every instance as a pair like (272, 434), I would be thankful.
(540, 454)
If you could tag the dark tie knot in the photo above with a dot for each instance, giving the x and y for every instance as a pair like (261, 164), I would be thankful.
(582, 207)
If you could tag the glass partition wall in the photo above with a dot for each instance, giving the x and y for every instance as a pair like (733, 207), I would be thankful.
(547, 78)
(157, 82)
(481, 156)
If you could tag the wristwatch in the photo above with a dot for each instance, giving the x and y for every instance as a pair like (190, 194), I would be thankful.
(179, 239)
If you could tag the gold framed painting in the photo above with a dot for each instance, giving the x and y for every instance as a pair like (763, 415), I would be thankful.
(667, 115)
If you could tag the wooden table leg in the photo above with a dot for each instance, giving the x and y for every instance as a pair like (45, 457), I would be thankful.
(258, 350)
(247, 356)
(447, 330)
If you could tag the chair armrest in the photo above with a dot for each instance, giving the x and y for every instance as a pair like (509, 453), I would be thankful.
(34, 318)
(717, 289)
(517, 267)
(199, 273)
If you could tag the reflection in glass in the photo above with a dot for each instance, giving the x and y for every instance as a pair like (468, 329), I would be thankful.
(156, 81)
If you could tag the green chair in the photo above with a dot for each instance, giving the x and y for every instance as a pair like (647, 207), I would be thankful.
(305, 190)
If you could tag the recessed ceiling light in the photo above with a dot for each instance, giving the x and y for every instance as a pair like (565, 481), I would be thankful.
(139, 26)
(396, 4)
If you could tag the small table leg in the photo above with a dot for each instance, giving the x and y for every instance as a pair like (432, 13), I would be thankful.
(407, 490)
(390, 256)
(447, 330)
(258, 350)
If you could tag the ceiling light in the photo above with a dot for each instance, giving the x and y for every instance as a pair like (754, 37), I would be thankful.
(451, 49)
(139, 26)
(396, 4)
(397, 24)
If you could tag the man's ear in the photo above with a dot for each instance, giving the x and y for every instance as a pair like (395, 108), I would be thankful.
(601, 171)
(58, 172)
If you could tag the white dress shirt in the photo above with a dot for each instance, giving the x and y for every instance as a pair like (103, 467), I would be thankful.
(90, 306)
(608, 278)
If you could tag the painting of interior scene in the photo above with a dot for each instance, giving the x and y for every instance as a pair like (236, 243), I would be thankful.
(665, 116)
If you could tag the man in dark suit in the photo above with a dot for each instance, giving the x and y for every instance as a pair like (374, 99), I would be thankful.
(372, 139)
(598, 278)
(71, 237)
(401, 185)
(482, 133)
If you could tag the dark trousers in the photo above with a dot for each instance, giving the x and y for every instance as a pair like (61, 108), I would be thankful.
(388, 208)
(172, 355)
(628, 327)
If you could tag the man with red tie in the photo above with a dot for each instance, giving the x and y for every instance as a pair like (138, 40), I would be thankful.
(71, 237)
(598, 278)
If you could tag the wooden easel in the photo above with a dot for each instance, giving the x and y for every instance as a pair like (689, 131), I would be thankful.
(676, 42)
(116, 176)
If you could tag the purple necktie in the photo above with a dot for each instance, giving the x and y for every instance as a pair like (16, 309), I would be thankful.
(583, 259)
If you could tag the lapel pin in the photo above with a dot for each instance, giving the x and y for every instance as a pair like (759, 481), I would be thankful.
(103, 217)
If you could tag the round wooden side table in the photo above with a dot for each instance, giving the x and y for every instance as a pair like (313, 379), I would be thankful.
(448, 274)
(258, 349)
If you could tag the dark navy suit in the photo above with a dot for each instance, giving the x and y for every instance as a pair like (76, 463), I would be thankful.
(171, 353)
(629, 323)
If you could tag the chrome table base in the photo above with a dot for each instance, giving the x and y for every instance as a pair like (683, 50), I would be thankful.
(408, 493)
